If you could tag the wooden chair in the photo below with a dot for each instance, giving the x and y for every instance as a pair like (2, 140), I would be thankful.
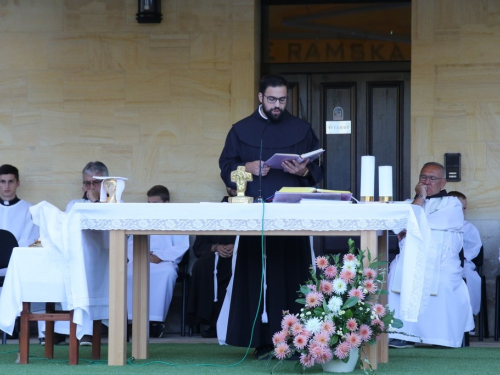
(51, 316)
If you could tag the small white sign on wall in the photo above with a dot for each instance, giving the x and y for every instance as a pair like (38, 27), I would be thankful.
(338, 127)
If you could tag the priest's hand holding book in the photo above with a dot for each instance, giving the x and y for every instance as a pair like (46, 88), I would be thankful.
(254, 166)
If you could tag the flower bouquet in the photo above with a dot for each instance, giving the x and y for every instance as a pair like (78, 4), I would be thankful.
(341, 311)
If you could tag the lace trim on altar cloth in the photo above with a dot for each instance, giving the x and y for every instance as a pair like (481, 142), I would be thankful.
(242, 225)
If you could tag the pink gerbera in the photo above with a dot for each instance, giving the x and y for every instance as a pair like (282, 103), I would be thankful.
(365, 332)
(330, 272)
(321, 263)
(353, 339)
(343, 349)
(314, 299)
(322, 338)
(379, 310)
(288, 321)
(328, 326)
(349, 258)
(297, 329)
(300, 341)
(351, 324)
(279, 337)
(369, 273)
(306, 360)
(379, 323)
(370, 286)
(347, 275)
(326, 287)
(357, 293)
(281, 351)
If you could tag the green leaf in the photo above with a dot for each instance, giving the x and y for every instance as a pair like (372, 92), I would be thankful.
(334, 340)
(305, 290)
(302, 301)
(348, 314)
(397, 323)
(383, 291)
(350, 302)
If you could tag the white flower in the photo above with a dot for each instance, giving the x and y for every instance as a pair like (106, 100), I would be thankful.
(339, 286)
(335, 304)
(349, 266)
(313, 325)
(341, 312)
(308, 313)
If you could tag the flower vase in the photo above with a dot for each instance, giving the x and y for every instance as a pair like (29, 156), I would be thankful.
(336, 365)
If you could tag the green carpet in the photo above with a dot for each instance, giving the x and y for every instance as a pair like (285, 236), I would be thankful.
(224, 359)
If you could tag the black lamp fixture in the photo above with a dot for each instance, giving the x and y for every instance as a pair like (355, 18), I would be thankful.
(149, 11)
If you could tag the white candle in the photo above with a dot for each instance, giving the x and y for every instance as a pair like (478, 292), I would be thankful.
(385, 181)
(367, 176)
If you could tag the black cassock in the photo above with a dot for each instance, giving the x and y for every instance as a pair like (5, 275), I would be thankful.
(288, 258)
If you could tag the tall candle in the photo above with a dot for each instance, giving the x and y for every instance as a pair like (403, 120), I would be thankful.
(367, 176)
(385, 181)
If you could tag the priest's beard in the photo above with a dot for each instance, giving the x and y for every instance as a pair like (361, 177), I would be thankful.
(273, 117)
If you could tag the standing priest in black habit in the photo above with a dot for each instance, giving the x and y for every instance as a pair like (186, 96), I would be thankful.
(270, 129)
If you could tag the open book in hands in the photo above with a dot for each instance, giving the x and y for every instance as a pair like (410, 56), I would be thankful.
(276, 160)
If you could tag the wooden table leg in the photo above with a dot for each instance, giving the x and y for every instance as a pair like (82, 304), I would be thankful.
(117, 346)
(24, 335)
(369, 241)
(140, 298)
(50, 307)
(383, 256)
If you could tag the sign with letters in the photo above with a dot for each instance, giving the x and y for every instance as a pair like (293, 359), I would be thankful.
(338, 125)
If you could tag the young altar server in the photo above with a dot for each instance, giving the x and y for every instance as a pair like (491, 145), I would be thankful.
(166, 253)
(14, 212)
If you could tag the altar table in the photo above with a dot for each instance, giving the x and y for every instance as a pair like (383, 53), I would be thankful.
(142, 219)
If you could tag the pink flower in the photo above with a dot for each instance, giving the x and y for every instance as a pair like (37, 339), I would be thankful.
(326, 287)
(321, 263)
(343, 349)
(288, 321)
(379, 323)
(349, 258)
(322, 338)
(327, 355)
(281, 350)
(300, 341)
(347, 275)
(312, 287)
(353, 339)
(351, 324)
(297, 329)
(330, 272)
(370, 286)
(279, 337)
(357, 293)
(379, 310)
(317, 350)
(306, 360)
(369, 273)
(314, 299)
(328, 326)
(365, 332)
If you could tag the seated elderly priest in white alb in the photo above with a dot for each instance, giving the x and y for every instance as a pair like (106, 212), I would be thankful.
(166, 253)
(447, 314)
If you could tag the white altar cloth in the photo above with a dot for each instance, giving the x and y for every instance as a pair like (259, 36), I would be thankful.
(192, 218)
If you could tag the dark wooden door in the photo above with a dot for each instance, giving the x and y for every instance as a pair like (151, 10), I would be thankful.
(377, 104)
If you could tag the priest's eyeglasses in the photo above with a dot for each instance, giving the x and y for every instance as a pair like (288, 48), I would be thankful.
(432, 179)
(90, 183)
(272, 99)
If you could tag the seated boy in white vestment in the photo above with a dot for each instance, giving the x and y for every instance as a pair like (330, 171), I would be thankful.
(448, 313)
(91, 189)
(472, 247)
(166, 252)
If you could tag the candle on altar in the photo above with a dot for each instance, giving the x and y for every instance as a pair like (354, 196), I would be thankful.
(385, 183)
(367, 178)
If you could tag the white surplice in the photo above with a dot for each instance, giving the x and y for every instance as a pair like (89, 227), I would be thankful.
(448, 314)
(162, 276)
(17, 220)
(472, 246)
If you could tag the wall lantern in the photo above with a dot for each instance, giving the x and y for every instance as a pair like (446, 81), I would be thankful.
(149, 11)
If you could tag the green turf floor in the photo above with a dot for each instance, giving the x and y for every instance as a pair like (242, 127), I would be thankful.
(187, 359)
